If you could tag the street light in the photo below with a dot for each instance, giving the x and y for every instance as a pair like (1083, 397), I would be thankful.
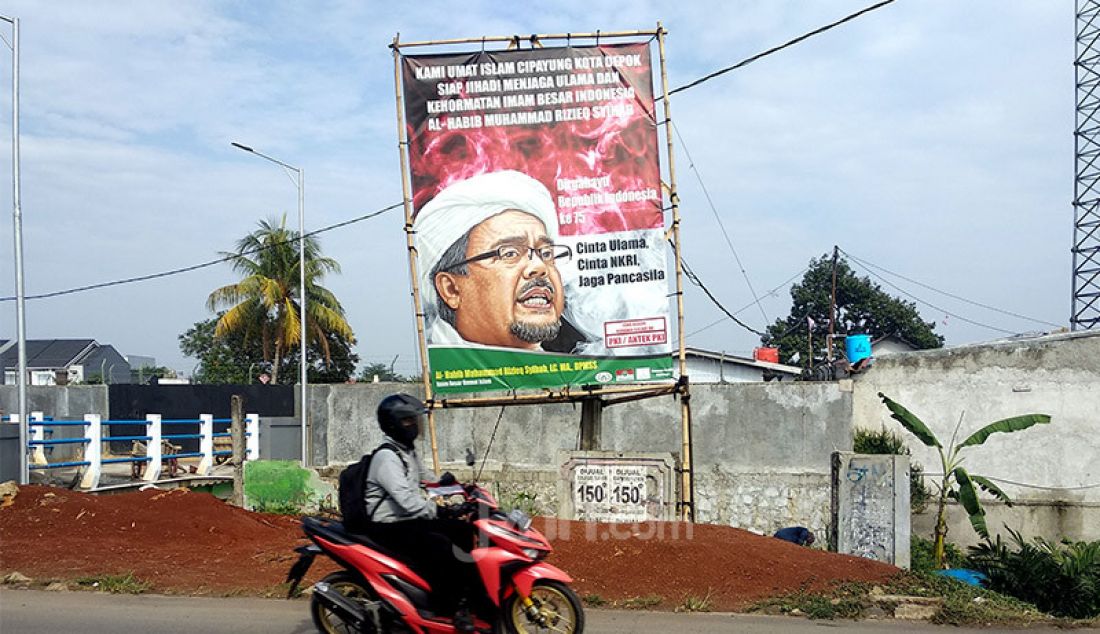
(300, 184)
(17, 222)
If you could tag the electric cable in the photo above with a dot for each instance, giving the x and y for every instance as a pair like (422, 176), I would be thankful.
(750, 304)
(694, 279)
(195, 267)
(776, 49)
(951, 295)
(1041, 487)
(721, 225)
(931, 305)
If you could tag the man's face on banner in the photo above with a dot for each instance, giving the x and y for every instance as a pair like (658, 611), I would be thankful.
(498, 303)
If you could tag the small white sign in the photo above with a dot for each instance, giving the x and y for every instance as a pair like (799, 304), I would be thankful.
(610, 492)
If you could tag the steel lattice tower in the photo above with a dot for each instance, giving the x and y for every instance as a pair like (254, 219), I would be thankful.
(1085, 310)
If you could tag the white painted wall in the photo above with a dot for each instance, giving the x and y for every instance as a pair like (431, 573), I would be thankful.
(1057, 375)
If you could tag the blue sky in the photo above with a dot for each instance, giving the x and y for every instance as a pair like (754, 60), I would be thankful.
(932, 138)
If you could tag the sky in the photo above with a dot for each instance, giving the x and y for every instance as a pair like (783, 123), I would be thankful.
(931, 138)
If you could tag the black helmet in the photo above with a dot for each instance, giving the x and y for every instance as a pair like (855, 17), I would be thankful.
(395, 408)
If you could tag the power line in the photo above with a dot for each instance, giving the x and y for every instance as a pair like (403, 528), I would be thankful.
(776, 49)
(931, 305)
(749, 305)
(951, 295)
(698, 282)
(195, 267)
(721, 225)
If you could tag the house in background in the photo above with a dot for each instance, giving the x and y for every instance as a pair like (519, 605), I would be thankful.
(705, 366)
(63, 361)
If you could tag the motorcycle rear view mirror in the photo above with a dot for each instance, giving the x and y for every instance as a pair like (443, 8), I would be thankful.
(471, 459)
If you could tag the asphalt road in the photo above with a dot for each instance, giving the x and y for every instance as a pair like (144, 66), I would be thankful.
(39, 612)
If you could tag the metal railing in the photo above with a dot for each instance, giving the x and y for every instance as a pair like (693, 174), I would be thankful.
(154, 440)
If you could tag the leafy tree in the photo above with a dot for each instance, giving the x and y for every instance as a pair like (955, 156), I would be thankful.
(234, 358)
(861, 307)
(956, 483)
(263, 305)
(146, 372)
(231, 358)
(382, 371)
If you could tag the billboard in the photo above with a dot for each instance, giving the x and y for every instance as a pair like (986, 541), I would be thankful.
(537, 217)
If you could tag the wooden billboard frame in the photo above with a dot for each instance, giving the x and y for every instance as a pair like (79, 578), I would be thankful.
(567, 394)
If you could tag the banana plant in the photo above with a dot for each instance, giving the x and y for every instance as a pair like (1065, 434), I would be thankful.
(957, 483)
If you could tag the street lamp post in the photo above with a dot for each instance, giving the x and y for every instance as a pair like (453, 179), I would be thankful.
(300, 184)
(17, 222)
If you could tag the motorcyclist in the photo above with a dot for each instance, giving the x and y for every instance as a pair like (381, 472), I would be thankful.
(432, 539)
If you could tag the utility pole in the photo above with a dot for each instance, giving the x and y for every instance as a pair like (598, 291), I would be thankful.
(832, 307)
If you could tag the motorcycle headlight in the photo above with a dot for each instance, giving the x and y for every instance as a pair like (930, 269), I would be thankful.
(533, 553)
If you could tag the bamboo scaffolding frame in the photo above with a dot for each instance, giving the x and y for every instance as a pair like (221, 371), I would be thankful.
(565, 395)
(568, 394)
(687, 471)
(406, 199)
(534, 37)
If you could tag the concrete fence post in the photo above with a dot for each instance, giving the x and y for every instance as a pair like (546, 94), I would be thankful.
(93, 451)
(154, 449)
(252, 437)
(38, 432)
(206, 444)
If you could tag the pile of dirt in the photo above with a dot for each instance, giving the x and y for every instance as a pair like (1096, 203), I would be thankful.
(183, 542)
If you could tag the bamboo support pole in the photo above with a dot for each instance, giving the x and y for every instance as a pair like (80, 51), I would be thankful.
(687, 483)
(535, 37)
(414, 272)
(565, 395)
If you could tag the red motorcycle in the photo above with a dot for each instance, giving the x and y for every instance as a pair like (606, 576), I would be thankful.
(377, 592)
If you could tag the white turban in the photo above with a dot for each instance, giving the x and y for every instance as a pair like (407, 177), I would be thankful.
(463, 205)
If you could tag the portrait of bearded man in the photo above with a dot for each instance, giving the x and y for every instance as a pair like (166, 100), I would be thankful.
(489, 264)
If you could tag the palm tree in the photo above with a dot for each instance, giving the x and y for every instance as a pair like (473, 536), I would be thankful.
(264, 303)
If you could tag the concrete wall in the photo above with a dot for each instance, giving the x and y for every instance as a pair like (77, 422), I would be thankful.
(1057, 375)
(61, 403)
(762, 449)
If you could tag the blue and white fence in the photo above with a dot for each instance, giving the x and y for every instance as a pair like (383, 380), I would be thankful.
(92, 444)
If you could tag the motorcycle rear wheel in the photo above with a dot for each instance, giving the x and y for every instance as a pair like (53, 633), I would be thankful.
(350, 586)
(556, 602)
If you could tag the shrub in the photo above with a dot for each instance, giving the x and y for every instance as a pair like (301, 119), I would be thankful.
(1060, 578)
(922, 556)
(886, 442)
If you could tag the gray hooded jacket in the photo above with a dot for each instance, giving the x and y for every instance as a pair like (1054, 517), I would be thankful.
(394, 494)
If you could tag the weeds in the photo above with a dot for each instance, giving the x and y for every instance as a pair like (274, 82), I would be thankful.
(594, 600)
(115, 584)
(640, 603)
(694, 603)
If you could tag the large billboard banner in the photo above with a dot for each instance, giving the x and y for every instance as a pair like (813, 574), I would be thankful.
(537, 217)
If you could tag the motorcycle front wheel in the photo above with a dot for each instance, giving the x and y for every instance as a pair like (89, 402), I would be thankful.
(559, 610)
(350, 586)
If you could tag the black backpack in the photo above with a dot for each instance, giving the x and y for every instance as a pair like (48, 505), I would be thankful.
(353, 489)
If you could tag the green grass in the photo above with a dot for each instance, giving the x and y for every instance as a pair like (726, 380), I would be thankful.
(693, 603)
(963, 604)
(115, 584)
(640, 603)
(594, 600)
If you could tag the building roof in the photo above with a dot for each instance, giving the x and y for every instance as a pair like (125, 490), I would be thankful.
(46, 353)
(729, 358)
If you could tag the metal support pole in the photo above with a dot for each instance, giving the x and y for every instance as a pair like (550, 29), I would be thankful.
(300, 183)
(302, 313)
(17, 223)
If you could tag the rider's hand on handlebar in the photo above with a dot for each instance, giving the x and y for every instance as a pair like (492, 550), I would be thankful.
(456, 511)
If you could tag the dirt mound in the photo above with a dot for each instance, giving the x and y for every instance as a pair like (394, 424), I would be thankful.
(193, 543)
(636, 564)
(177, 540)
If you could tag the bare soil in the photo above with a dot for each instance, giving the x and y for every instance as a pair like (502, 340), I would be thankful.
(192, 543)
